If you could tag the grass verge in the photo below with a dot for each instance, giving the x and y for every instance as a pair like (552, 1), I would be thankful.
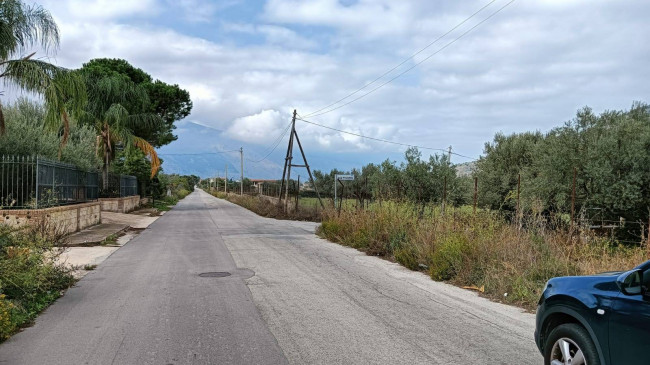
(268, 207)
(479, 250)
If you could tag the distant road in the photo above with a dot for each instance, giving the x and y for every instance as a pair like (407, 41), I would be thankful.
(291, 298)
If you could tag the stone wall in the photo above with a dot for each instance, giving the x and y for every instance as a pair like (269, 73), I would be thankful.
(65, 219)
(120, 205)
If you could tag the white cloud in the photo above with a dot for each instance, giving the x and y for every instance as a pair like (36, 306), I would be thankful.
(257, 128)
(529, 67)
(93, 10)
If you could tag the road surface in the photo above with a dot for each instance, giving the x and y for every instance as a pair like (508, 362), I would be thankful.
(291, 298)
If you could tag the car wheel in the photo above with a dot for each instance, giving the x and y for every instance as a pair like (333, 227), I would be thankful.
(570, 344)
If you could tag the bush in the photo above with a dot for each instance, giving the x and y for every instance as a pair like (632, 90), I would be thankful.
(482, 249)
(267, 207)
(30, 277)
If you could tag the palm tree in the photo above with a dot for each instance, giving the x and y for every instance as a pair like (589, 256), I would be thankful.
(23, 27)
(109, 100)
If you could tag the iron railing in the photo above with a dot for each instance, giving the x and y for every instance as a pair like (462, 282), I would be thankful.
(118, 186)
(29, 182)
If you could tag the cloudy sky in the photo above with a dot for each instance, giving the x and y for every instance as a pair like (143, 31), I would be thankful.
(248, 64)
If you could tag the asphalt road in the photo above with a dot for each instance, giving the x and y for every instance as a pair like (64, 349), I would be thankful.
(291, 298)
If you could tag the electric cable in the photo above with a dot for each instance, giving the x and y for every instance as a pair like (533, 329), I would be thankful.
(405, 61)
(415, 65)
(387, 141)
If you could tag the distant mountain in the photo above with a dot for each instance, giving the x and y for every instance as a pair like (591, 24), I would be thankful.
(465, 169)
(205, 152)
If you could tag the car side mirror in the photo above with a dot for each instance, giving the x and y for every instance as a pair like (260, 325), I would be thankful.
(630, 282)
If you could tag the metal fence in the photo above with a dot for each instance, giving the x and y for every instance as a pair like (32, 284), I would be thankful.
(118, 186)
(28, 182)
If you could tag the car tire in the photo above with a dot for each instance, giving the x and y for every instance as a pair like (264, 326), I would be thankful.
(570, 337)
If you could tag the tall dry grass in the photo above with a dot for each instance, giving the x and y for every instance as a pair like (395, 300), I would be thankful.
(268, 207)
(484, 249)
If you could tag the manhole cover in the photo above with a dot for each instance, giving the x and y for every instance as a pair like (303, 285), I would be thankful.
(215, 274)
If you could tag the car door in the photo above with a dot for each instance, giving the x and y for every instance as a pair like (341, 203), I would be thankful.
(629, 327)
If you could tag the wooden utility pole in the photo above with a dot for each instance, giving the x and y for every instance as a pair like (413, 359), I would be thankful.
(241, 179)
(288, 164)
(225, 186)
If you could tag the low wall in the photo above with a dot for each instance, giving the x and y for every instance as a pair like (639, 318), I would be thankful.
(120, 205)
(65, 219)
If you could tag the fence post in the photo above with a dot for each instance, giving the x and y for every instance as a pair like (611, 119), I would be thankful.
(36, 182)
(444, 196)
(297, 193)
(518, 201)
(573, 200)
(475, 192)
(647, 245)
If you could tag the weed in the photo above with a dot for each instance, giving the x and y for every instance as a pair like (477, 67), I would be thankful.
(111, 240)
(482, 249)
(90, 267)
(268, 207)
(30, 277)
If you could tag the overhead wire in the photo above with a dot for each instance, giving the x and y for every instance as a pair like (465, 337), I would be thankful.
(385, 140)
(197, 154)
(404, 61)
(277, 143)
(415, 65)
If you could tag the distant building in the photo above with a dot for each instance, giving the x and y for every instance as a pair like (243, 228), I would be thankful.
(258, 184)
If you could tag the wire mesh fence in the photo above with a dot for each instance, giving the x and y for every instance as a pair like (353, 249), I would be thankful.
(30, 182)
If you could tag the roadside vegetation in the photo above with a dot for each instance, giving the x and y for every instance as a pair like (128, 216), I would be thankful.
(30, 276)
(505, 224)
(483, 250)
(573, 201)
(170, 189)
(268, 207)
(107, 115)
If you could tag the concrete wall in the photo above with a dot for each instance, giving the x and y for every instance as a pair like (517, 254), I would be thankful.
(65, 219)
(120, 205)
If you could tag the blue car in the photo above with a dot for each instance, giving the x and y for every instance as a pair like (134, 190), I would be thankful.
(596, 320)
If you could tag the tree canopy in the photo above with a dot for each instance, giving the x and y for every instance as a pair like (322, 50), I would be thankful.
(23, 27)
(169, 102)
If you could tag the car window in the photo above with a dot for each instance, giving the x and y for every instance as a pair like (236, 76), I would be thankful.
(646, 278)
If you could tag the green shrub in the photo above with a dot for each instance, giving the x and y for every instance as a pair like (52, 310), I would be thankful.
(482, 250)
(31, 278)
(449, 257)
(7, 325)
(408, 255)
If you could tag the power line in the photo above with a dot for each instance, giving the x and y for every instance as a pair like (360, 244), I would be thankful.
(197, 154)
(275, 141)
(415, 65)
(387, 141)
(405, 61)
(274, 147)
